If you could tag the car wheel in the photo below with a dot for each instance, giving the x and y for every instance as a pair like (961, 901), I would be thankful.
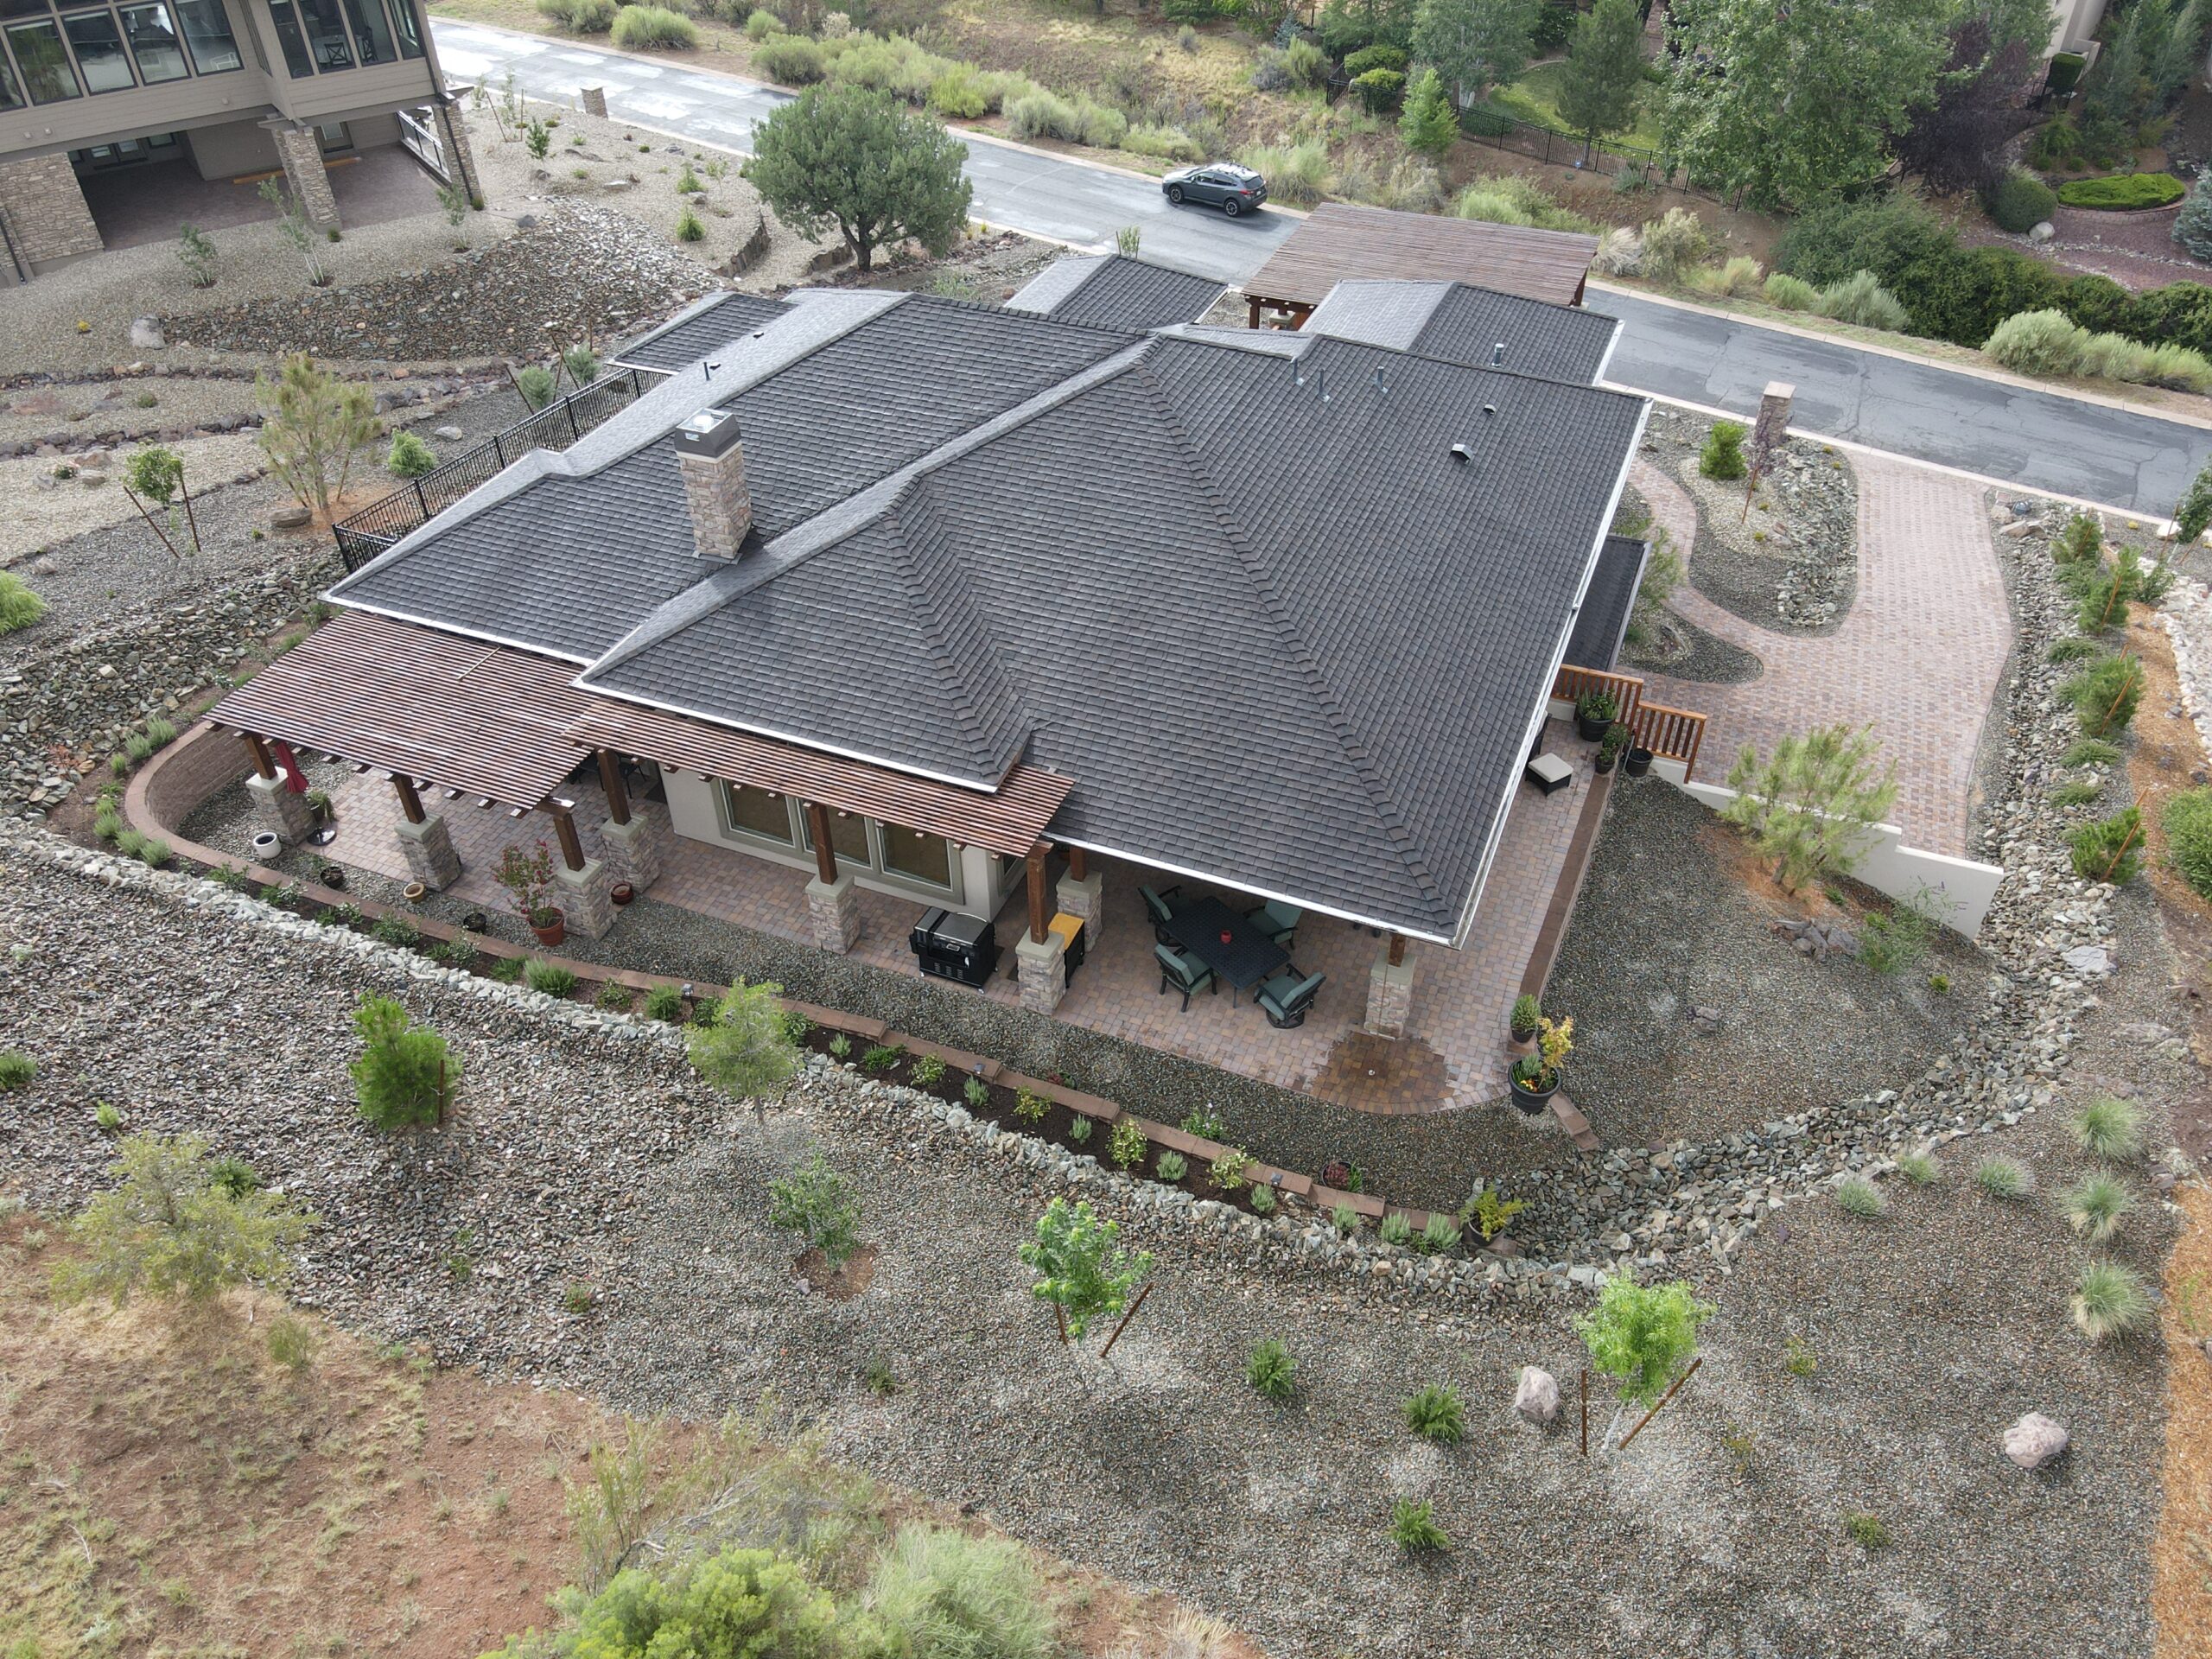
(1175, 194)
(1229, 206)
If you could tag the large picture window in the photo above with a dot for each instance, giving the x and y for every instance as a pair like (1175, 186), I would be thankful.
(848, 838)
(100, 55)
(208, 35)
(917, 857)
(39, 55)
(757, 814)
(409, 28)
(154, 44)
(372, 32)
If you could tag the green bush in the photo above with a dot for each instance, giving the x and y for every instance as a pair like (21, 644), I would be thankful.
(2110, 849)
(2096, 1205)
(2004, 1178)
(17, 1070)
(1436, 1414)
(642, 26)
(1380, 91)
(792, 59)
(2109, 1300)
(1861, 299)
(535, 386)
(760, 23)
(1369, 59)
(815, 1201)
(2021, 201)
(940, 1593)
(550, 977)
(2104, 695)
(1269, 1369)
(664, 1002)
(1674, 244)
(689, 227)
(1921, 1167)
(1413, 1529)
(1297, 174)
(1790, 294)
(2123, 191)
(957, 92)
(1722, 457)
(1739, 277)
(749, 1603)
(1857, 1196)
(1507, 198)
(2108, 1127)
(1170, 1165)
(581, 16)
(1305, 63)
(404, 1076)
(2187, 820)
(19, 606)
(410, 456)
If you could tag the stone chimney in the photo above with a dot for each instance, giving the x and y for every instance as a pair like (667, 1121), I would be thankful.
(712, 460)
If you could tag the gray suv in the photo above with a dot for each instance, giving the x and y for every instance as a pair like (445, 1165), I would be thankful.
(1225, 185)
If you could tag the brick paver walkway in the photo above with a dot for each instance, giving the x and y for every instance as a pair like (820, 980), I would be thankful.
(1918, 657)
(1454, 1055)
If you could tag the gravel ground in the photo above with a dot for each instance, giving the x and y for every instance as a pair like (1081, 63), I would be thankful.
(44, 510)
(108, 411)
(593, 1158)
(1671, 643)
(1665, 926)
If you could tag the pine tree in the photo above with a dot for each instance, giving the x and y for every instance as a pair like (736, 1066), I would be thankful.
(1605, 67)
(2193, 226)
(1427, 125)
(2193, 515)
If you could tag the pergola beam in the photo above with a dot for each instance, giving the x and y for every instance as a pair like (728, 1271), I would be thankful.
(1037, 914)
(610, 784)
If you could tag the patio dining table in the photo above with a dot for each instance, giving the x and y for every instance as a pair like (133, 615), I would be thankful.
(1231, 943)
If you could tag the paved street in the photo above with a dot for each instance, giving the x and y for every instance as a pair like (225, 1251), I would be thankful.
(2121, 458)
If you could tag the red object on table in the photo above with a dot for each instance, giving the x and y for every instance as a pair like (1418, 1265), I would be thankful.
(1227, 937)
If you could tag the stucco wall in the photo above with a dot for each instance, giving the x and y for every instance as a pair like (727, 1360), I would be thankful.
(234, 148)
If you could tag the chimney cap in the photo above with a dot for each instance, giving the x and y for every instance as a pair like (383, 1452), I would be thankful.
(708, 434)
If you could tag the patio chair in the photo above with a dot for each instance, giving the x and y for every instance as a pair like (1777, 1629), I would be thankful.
(1286, 998)
(1184, 973)
(1159, 911)
(1278, 921)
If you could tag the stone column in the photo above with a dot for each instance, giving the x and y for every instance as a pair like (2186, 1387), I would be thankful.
(1041, 972)
(595, 100)
(277, 808)
(430, 857)
(583, 897)
(635, 849)
(1773, 422)
(1390, 989)
(833, 912)
(1083, 896)
(453, 134)
(300, 148)
(45, 209)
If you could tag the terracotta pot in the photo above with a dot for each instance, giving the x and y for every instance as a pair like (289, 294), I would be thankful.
(622, 892)
(413, 892)
(553, 933)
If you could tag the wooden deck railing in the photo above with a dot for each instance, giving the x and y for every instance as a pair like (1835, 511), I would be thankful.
(1671, 734)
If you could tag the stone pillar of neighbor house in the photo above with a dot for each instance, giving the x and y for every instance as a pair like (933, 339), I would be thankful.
(636, 850)
(586, 897)
(45, 209)
(1390, 988)
(428, 847)
(833, 913)
(300, 148)
(1773, 422)
(1081, 891)
(595, 100)
(279, 810)
(1041, 972)
(453, 134)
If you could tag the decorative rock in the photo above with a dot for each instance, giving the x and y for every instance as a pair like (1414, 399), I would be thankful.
(2087, 959)
(146, 334)
(288, 517)
(1535, 1396)
(2034, 1441)
(448, 433)
(2043, 230)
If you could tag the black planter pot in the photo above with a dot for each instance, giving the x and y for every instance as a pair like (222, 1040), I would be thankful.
(1605, 761)
(1530, 1100)
(1638, 761)
(1591, 730)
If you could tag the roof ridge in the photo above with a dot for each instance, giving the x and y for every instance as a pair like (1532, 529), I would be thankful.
(1364, 764)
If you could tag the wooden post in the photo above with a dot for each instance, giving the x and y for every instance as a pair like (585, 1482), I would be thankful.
(1663, 1399)
(1037, 914)
(1078, 865)
(1251, 311)
(1586, 1411)
(1124, 1324)
(825, 855)
(410, 801)
(263, 766)
(1397, 949)
(610, 782)
(572, 846)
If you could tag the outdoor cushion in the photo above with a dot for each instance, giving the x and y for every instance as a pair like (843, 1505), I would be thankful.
(1184, 968)
(1278, 919)
(1548, 772)
(1160, 909)
(1285, 998)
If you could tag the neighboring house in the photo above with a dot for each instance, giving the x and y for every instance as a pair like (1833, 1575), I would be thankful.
(1112, 291)
(91, 93)
(909, 592)
(2073, 26)
(1340, 242)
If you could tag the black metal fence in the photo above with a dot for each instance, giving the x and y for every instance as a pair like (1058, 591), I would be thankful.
(1562, 149)
(377, 526)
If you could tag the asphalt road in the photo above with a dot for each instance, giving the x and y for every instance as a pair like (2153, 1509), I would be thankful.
(2121, 458)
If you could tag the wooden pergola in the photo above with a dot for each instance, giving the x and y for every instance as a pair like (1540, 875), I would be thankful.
(506, 728)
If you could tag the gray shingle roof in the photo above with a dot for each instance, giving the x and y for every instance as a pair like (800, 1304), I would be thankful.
(1238, 586)
(699, 329)
(1109, 291)
(1466, 325)
(1603, 622)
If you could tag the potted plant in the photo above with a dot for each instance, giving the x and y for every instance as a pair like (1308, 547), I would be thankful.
(1595, 711)
(1535, 1077)
(1522, 1023)
(1638, 760)
(622, 892)
(319, 804)
(528, 878)
(1610, 745)
(331, 876)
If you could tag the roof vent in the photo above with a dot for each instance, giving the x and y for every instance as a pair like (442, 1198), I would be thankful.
(1489, 409)
(1461, 454)
(1497, 354)
(711, 457)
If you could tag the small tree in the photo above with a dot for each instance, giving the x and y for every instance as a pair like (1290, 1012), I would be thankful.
(2194, 514)
(747, 1051)
(1808, 807)
(537, 138)
(818, 1202)
(1604, 70)
(1427, 125)
(452, 201)
(292, 224)
(528, 878)
(1081, 1266)
(168, 1229)
(155, 476)
(847, 157)
(1643, 1335)
(315, 428)
(410, 457)
(404, 1076)
(1128, 240)
(195, 251)
(581, 362)
(1475, 44)
(535, 386)
(1722, 458)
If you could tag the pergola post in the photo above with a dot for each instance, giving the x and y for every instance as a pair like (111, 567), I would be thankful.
(833, 904)
(1081, 891)
(581, 887)
(1390, 988)
(276, 807)
(424, 840)
(1040, 957)
(636, 844)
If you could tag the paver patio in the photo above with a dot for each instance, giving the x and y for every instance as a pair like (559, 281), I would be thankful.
(1917, 657)
(1455, 1053)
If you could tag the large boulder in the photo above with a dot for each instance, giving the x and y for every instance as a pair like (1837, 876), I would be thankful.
(146, 334)
(1536, 1395)
(2034, 1441)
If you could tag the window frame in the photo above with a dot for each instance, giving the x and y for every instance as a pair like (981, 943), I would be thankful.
(176, 42)
(185, 35)
(15, 27)
(725, 803)
(96, 15)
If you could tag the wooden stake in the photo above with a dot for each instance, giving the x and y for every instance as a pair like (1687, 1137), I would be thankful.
(189, 518)
(2125, 841)
(150, 525)
(1663, 1399)
(1124, 1324)
(2126, 686)
(1586, 1411)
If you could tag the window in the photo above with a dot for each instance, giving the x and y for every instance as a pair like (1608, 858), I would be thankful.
(371, 31)
(757, 814)
(409, 28)
(848, 838)
(45, 65)
(208, 35)
(925, 859)
(335, 137)
(154, 44)
(326, 31)
(23, 8)
(298, 60)
(100, 55)
(11, 95)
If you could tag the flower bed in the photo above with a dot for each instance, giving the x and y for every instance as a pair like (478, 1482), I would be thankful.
(2123, 192)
